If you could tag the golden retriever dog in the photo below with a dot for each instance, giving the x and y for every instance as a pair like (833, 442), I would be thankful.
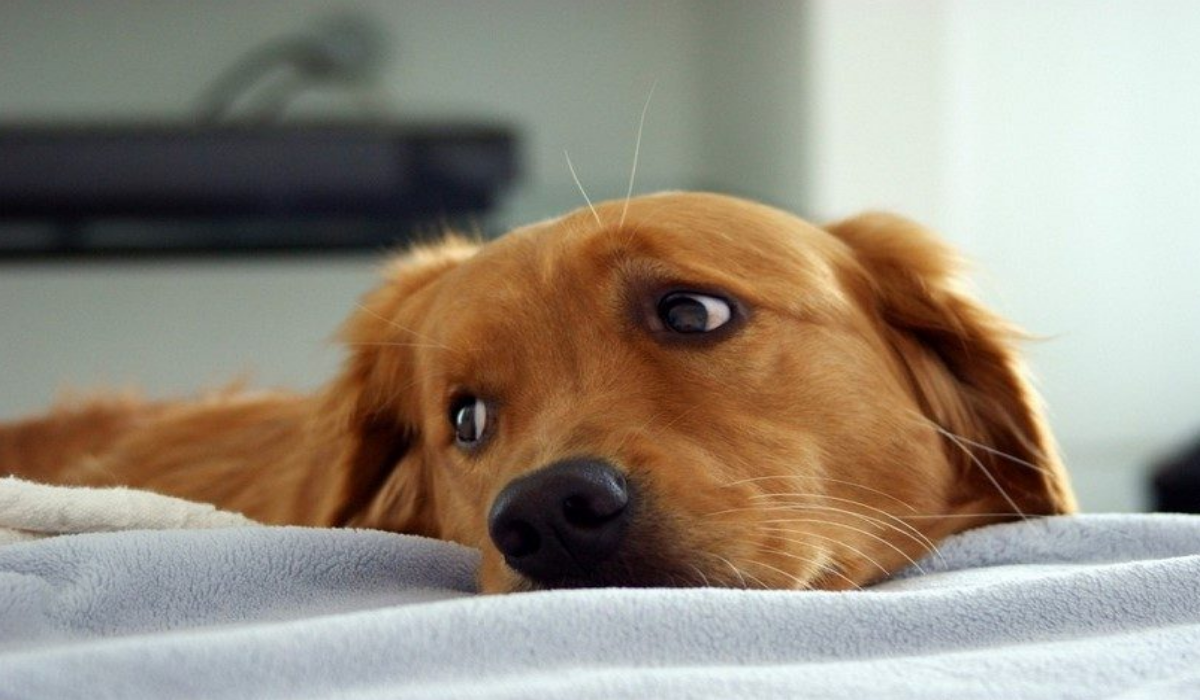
(680, 389)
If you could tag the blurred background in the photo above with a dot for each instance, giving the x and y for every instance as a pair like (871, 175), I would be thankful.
(1056, 142)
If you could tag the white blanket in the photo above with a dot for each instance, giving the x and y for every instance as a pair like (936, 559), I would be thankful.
(1086, 607)
(30, 511)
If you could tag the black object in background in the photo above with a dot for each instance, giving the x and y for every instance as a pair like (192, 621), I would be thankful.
(1176, 482)
(239, 188)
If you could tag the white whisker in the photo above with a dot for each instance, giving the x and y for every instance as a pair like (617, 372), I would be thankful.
(397, 326)
(939, 516)
(917, 533)
(740, 575)
(815, 521)
(822, 478)
(797, 582)
(395, 395)
(648, 218)
(822, 568)
(582, 191)
(991, 450)
(961, 442)
(630, 433)
(637, 149)
(986, 472)
(397, 345)
(839, 543)
(908, 530)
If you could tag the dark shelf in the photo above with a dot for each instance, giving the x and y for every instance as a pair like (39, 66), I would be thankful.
(158, 188)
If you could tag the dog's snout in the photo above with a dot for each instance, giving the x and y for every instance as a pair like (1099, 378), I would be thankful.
(561, 520)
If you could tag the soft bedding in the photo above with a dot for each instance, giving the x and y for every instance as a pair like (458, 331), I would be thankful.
(1085, 606)
(30, 511)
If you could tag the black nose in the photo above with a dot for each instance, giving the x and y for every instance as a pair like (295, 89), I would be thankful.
(562, 520)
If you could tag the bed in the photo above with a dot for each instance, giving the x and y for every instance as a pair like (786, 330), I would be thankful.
(152, 598)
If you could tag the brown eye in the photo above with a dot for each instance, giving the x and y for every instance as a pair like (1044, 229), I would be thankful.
(468, 417)
(689, 312)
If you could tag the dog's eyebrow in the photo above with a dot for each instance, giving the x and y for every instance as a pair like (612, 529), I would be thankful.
(644, 273)
(658, 269)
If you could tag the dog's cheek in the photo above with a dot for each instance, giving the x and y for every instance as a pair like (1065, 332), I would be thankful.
(453, 502)
(494, 575)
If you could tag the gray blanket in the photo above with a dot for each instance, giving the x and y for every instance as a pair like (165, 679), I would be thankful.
(1086, 607)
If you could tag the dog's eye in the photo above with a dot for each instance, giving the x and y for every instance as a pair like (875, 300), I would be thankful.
(468, 416)
(689, 312)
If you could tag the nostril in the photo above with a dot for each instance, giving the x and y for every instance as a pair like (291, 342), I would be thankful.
(591, 512)
(579, 514)
(517, 538)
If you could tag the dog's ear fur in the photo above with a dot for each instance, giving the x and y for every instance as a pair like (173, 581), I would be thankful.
(369, 412)
(962, 365)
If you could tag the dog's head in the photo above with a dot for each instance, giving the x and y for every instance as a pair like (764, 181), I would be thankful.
(687, 389)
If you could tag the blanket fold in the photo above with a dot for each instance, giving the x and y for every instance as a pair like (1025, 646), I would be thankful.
(29, 511)
(1085, 606)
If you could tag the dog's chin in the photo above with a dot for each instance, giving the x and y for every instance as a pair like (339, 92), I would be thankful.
(645, 566)
(618, 574)
(645, 561)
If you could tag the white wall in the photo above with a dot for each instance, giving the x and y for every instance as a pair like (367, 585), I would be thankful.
(876, 108)
(1059, 144)
(170, 328)
(570, 75)
(752, 99)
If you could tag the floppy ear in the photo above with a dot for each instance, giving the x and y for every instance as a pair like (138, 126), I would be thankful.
(369, 413)
(962, 365)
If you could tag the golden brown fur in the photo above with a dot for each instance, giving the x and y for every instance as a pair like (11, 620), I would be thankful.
(862, 408)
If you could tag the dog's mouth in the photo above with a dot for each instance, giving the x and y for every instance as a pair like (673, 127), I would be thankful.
(631, 574)
(645, 559)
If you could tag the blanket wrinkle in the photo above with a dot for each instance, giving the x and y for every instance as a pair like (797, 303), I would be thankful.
(1075, 607)
(30, 511)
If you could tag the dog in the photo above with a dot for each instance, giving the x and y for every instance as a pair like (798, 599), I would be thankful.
(680, 389)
